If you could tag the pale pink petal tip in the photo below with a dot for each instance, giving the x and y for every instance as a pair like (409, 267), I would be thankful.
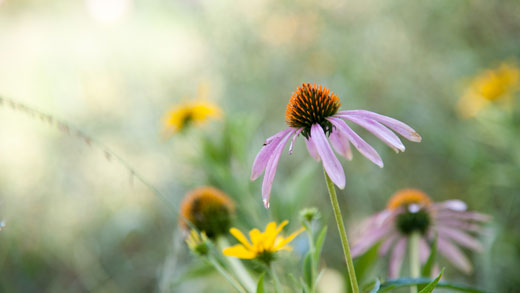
(266, 203)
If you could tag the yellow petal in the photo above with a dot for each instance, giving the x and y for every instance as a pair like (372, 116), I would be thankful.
(239, 251)
(240, 237)
(283, 242)
(270, 238)
(256, 236)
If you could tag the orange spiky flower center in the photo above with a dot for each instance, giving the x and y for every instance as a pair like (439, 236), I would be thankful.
(311, 105)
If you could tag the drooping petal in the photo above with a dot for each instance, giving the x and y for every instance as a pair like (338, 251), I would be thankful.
(468, 216)
(270, 169)
(424, 250)
(385, 246)
(370, 238)
(312, 149)
(398, 126)
(240, 237)
(330, 162)
(265, 153)
(459, 224)
(363, 147)
(239, 251)
(454, 255)
(396, 259)
(379, 130)
(293, 139)
(341, 144)
(460, 237)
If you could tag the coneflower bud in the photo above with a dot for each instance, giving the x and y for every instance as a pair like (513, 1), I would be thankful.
(207, 209)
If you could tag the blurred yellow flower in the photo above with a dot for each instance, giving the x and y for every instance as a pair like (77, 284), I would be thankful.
(194, 112)
(263, 245)
(198, 111)
(487, 87)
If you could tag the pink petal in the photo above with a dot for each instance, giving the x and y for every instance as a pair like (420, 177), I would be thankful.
(312, 149)
(454, 205)
(459, 224)
(460, 237)
(454, 255)
(341, 144)
(330, 162)
(371, 237)
(379, 130)
(396, 259)
(424, 250)
(363, 147)
(293, 139)
(473, 216)
(385, 246)
(265, 153)
(398, 126)
(270, 169)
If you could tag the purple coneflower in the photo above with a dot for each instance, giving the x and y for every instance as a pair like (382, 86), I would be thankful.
(313, 112)
(411, 211)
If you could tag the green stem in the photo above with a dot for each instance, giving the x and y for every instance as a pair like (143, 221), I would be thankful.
(415, 265)
(342, 233)
(313, 260)
(237, 266)
(276, 281)
(226, 275)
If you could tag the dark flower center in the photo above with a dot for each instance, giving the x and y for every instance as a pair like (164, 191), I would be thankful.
(213, 218)
(311, 105)
(409, 222)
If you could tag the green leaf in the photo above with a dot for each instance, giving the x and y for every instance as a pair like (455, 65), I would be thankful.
(319, 243)
(260, 285)
(372, 287)
(429, 288)
(428, 266)
(364, 263)
(307, 270)
(407, 282)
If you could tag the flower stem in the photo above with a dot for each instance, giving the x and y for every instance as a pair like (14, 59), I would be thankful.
(415, 265)
(342, 233)
(313, 259)
(237, 266)
(226, 275)
(276, 281)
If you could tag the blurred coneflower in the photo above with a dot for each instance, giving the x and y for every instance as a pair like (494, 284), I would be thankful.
(409, 213)
(207, 209)
(197, 112)
(313, 112)
(488, 87)
(263, 245)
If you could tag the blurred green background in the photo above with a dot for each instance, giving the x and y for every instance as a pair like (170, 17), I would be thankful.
(77, 221)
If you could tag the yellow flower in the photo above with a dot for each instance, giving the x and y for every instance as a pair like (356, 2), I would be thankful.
(263, 245)
(198, 111)
(489, 86)
(194, 112)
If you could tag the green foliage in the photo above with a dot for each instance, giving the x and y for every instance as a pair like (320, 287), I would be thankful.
(260, 285)
(429, 288)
